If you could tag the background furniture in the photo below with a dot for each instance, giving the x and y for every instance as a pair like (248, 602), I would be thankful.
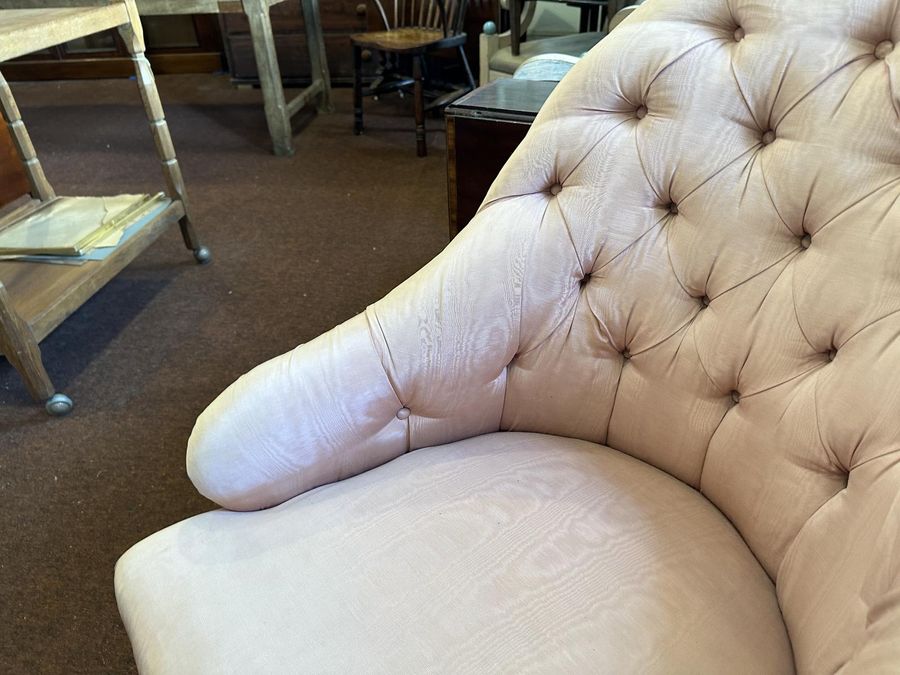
(503, 53)
(36, 297)
(415, 28)
(484, 127)
(641, 412)
(339, 20)
(175, 44)
(279, 110)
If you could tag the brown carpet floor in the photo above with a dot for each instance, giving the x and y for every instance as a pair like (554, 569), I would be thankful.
(299, 245)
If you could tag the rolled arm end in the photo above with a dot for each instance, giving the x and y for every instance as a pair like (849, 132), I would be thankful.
(317, 414)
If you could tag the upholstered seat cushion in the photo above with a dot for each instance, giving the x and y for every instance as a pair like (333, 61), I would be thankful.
(573, 45)
(507, 552)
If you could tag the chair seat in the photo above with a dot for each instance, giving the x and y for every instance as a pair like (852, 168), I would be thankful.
(407, 39)
(506, 552)
(572, 45)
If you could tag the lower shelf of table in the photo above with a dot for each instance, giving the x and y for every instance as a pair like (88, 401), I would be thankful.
(44, 295)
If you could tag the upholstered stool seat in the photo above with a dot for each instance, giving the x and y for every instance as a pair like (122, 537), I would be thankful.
(508, 552)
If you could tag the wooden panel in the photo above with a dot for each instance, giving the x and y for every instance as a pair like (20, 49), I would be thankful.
(13, 183)
(71, 69)
(57, 63)
(293, 57)
(339, 18)
(478, 149)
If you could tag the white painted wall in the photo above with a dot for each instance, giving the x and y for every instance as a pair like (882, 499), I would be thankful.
(553, 18)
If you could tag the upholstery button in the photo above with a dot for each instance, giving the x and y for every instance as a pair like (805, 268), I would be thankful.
(641, 112)
(738, 34)
(768, 137)
(555, 189)
(673, 208)
(882, 49)
(806, 240)
(705, 300)
(585, 279)
(403, 413)
(832, 353)
(736, 396)
(626, 354)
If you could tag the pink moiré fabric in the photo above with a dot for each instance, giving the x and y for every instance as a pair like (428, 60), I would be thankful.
(693, 259)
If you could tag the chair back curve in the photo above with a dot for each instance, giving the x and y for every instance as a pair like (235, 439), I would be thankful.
(448, 16)
(702, 233)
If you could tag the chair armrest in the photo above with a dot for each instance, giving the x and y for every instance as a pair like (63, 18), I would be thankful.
(621, 15)
(438, 346)
(488, 45)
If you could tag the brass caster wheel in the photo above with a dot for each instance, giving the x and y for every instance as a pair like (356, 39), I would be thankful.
(58, 405)
(202, 255)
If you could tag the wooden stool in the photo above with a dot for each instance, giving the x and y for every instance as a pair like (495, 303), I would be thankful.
(36, 297)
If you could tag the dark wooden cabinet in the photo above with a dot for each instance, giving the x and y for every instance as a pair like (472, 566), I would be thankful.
(340, 19)
(13, 183)
(484, 127)
(175, 44)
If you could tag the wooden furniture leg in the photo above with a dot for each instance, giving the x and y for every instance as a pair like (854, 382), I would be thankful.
(277, 115)
(18, 344)
(357, 91)
(465, 61)
(419, 95)
(315, 43)
(134, 41)
(40, 186)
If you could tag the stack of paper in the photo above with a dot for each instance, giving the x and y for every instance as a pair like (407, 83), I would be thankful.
(75, 229)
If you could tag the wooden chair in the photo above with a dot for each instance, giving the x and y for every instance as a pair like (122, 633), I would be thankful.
(415, 28)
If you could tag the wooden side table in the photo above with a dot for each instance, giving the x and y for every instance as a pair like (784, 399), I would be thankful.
(279, 110)
(36, 297)
(484, 127)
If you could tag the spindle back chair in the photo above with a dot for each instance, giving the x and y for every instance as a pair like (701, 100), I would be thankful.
(413, 28)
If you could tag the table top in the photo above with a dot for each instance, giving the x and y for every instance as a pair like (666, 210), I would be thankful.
(23, 31)
(152, 7)
(511, 99)
(164, 7)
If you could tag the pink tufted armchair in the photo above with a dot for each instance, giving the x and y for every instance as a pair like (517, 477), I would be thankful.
(642, 415)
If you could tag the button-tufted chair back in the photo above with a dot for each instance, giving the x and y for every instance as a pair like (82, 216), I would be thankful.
(694, 258)
(706, 218)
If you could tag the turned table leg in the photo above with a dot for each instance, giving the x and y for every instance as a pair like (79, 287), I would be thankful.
(315, 43)
(134, 41)
(22, 351)
(277, 116)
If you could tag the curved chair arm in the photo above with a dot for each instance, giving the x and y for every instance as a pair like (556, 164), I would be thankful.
(425, 365)
(527, 16)
(621, 15)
